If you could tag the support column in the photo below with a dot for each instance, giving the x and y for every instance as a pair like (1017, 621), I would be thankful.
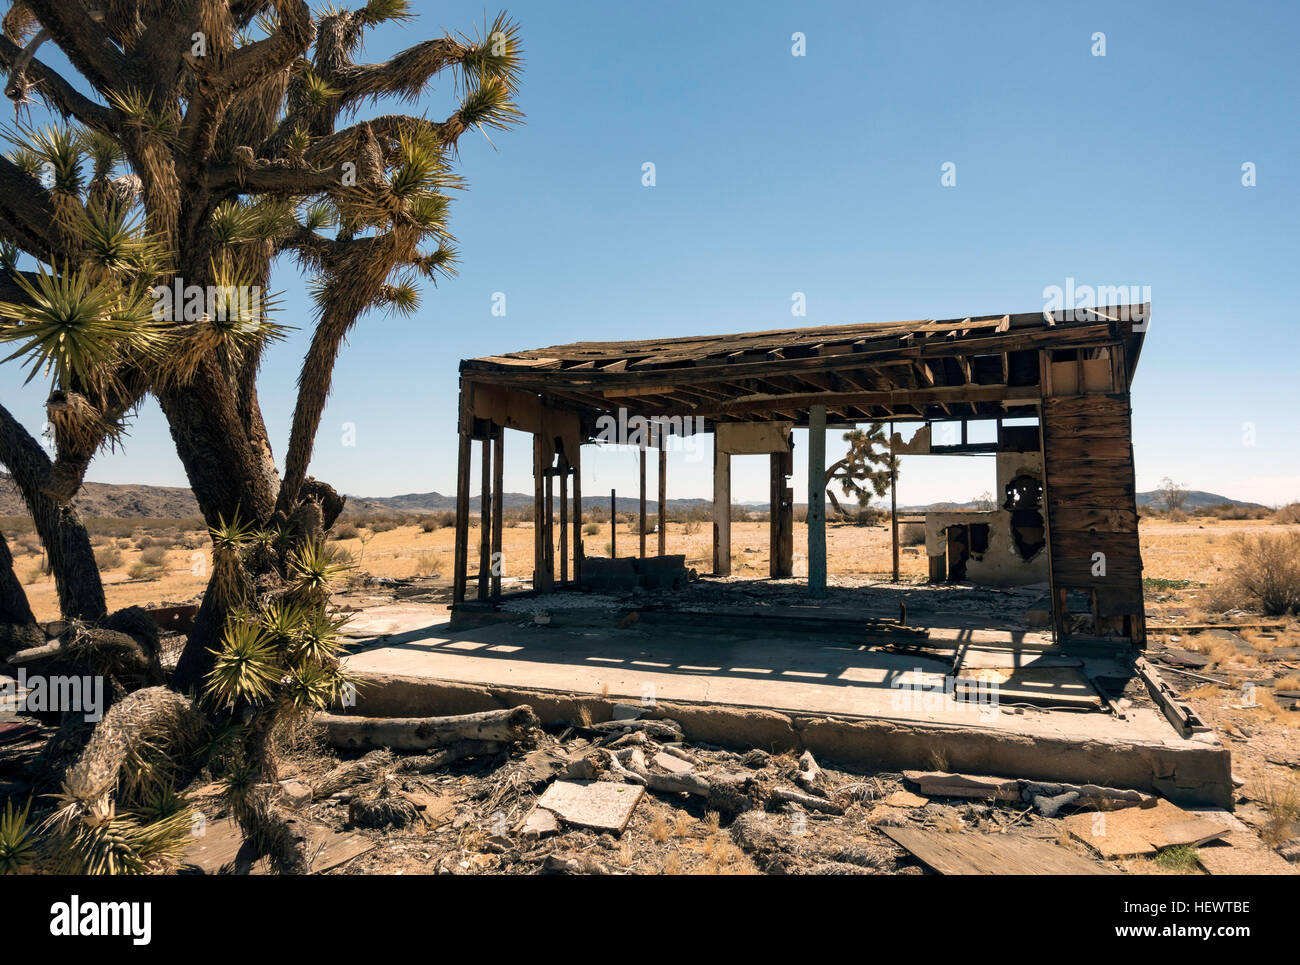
(780, 529)
(663, 496)
(641, 522)
(564, 520)
(462, 518)
(541, 576)
(485, 520)
(498, 503)
(577, 516)
(817, 500)
(721, 510)
(893, 501)
(613, 525)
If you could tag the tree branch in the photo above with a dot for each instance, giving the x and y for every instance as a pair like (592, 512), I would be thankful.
(85, 42)
(55, 90)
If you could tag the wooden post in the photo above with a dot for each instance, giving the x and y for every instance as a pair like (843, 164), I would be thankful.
(893, 500)
(663, 497)
(817, 500)
(564, 520)
(485, 521)
(462, 518)
(775, 490)
(577, 516)
(542, 578)
(642, 521)
(550, 521)
(721, 510)
(613, 527)
(498, 503)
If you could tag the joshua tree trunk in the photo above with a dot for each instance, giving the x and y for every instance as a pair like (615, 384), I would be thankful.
(14, 607)
(72, 559)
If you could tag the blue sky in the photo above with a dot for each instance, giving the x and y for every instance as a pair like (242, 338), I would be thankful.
(820, 174)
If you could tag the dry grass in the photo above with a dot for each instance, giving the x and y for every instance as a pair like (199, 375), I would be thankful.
(1279, 796)
(1175, 551)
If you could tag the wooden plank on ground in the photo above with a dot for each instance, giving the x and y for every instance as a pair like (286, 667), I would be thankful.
(971, 853)
(215, 851)
(1140, 831)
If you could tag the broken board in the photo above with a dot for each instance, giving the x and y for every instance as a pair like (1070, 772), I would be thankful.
(1142, 831)
(970, 853)
(602, 805)
(216, 850)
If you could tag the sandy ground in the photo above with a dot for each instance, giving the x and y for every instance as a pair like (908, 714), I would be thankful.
(1198, 550)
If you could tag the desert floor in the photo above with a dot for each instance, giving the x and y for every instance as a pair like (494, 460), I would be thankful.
(1198, 551)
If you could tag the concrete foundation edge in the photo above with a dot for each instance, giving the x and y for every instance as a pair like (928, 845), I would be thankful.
(1193, 774)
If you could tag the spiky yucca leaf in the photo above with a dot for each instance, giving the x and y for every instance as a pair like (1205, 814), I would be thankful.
(386, 11)
(59, 151)
(402, 297)
(114, 239)
(283, 620)
(231, 535)
(489, 104)
(17, 839)
(320, 215)
(314, 566)
(497, 53)
(320, 640)
(231, 223)
(247, 666)
(105, 153)
(78, 330)
(312, 686)
(140, 113)
(316, 90)
(123, 845)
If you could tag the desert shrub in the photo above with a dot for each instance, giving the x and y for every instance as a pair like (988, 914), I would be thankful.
(108, 558)
(143, 571)
(382, 525)
(912, 534)
(1176, 516)
(345, 531)
(691, 527)
(1290, 513)
(154, 556)
(426, 564)
(1266, 573)
(591, 529)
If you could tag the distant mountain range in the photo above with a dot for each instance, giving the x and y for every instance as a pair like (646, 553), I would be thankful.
(173, 502)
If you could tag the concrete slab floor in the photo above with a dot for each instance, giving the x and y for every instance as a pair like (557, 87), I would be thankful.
(781, 671)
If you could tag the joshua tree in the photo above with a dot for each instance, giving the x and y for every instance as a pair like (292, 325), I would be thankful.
(216, 135)
(201, 140)
(865, 469)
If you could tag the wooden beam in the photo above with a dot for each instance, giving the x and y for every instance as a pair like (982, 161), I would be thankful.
(613, 525)
(817, 501)
(941, 396)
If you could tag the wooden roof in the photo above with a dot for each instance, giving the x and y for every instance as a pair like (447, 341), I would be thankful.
(981, 366)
